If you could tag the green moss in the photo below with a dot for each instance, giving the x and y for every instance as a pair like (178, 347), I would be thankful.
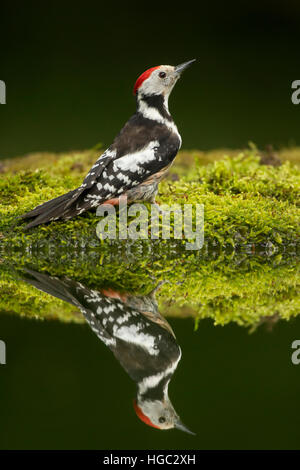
(226, 287)
(246, 273)
(19, 298)
(244, 202)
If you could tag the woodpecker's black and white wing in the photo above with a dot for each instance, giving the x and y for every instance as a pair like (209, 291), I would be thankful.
(90, 302)
(142, 151)
(64, 206)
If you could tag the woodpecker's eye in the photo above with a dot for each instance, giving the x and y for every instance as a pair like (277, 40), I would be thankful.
(162, 74)
(162, 419)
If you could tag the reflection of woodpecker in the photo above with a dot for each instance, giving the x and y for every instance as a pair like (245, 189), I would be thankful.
(139, 337)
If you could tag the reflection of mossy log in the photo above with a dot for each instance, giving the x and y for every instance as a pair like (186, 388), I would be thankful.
(232, 287)
(244, 201)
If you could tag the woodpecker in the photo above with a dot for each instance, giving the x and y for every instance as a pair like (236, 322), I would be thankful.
(140, 338)
(136, 161)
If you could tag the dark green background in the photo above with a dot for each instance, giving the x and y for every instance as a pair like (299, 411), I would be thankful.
(62, 388)
(70, 68)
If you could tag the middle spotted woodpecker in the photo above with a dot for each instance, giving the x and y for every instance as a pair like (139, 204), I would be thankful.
(138, 158)
(139, 337)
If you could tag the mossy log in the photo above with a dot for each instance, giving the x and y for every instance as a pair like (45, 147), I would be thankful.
(246, 272)
(244, 202)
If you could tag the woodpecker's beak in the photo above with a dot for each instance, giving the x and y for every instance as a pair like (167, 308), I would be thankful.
(179, 425)
(181, 67)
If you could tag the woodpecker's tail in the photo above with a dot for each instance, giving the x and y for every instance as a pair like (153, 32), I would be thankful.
(64, 290)
(61, 207)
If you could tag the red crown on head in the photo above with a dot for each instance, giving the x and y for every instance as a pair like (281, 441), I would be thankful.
(143, 77)
(140, 414)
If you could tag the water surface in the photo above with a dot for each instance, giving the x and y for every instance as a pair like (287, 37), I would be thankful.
(71, 385)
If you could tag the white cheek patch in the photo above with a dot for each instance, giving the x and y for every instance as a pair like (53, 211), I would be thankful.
(134, 161)
(155, 85)
(152, 86)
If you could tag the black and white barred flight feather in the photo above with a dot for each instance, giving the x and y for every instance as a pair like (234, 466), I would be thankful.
(137, 160)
